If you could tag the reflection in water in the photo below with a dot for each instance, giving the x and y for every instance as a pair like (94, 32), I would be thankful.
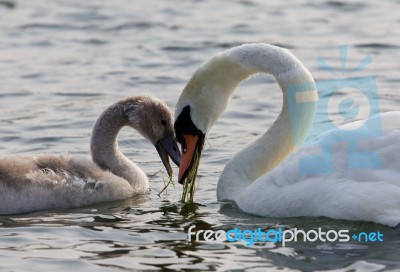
(138, 231)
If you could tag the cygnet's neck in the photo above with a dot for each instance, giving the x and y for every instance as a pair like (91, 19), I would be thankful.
(105, 151)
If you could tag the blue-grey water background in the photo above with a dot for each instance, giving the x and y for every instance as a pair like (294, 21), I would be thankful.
(63, 61)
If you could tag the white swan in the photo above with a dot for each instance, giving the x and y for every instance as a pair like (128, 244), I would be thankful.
(283, 191)
(40, 182)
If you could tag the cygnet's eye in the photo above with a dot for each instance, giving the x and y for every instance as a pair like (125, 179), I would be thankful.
(164, 123)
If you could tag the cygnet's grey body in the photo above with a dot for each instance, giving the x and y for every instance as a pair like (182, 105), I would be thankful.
(40, 182)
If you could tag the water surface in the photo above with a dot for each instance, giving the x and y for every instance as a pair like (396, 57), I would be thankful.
(62, 62)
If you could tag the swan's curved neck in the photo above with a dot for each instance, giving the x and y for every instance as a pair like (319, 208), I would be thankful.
(104, 145)
(222, 74)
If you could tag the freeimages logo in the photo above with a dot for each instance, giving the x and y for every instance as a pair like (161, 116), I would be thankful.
(341, 100)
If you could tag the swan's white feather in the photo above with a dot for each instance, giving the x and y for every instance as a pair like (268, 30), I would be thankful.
(367, 194)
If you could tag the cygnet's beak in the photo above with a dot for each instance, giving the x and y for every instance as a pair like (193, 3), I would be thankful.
(168, 146)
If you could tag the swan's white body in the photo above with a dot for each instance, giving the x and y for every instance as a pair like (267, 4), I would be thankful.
(365, 194)
(39, 182)
(257, 180)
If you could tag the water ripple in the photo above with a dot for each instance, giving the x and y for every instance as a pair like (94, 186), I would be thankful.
(64, 61)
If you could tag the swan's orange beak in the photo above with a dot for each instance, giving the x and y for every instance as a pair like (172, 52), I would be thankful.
(188, 150)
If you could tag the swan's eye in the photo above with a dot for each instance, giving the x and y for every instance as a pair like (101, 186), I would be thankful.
(164, 123)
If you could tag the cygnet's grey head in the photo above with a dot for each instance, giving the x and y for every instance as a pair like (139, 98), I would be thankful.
(148, 115)
(154, 120)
